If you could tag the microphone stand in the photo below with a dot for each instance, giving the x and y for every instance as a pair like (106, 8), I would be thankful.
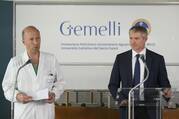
(135, 87)
(12, 100)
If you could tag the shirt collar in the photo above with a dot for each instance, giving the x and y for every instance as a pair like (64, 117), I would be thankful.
(143, 52)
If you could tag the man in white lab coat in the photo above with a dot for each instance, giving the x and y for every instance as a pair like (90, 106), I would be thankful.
(40, 74)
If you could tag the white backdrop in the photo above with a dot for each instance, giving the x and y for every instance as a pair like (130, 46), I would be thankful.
(98, 47)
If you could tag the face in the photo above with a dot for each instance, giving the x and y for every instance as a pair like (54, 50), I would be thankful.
(137, 41)
(31, 40)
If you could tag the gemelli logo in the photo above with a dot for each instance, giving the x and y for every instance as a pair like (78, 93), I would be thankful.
(110, 28)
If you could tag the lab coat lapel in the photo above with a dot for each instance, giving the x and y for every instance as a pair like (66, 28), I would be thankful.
(29, 67)
(41, 74)
(40, 67)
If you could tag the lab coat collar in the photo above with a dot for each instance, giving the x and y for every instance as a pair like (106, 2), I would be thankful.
(30, 67)
(25, 57)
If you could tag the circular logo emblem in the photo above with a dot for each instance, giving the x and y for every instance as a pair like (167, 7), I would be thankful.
(144, 23)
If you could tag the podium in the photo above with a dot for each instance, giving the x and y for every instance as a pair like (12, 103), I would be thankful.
(143, 103)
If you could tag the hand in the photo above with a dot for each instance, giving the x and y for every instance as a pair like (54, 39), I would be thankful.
(123, 103)
(167, 93)
(23, 98)
(51, 97)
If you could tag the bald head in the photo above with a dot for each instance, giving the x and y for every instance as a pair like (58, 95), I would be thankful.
(31, 39)
(29, 29)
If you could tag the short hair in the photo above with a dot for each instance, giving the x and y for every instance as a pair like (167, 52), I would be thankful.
(139, 29)
(27, 28)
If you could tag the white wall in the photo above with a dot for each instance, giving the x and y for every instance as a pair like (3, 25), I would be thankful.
(97, 76)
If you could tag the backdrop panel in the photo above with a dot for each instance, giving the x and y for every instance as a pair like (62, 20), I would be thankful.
(87, 34)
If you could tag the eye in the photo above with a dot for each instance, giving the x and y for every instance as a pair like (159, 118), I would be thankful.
(31, 39)
(136, 38)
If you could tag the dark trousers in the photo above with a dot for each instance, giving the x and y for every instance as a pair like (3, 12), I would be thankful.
(140, 112)
(123, 113)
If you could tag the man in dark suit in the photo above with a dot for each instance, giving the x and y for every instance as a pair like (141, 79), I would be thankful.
(129, 70)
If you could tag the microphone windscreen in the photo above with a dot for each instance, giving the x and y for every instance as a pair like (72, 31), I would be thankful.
(142, 58)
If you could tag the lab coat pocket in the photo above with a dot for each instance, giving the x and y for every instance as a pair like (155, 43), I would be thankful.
(51, 80)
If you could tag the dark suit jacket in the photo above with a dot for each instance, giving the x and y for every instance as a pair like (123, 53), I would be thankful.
(122, 72)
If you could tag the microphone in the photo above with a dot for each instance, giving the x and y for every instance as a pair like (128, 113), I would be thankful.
(142, 58)
(145, 66)
(26, 63)
(138, 85)
(12, 100)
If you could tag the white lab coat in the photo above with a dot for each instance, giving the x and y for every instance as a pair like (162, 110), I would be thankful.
(48, 73)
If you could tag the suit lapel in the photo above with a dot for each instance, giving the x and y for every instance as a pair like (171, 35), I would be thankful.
(129, 68)
(148, 61)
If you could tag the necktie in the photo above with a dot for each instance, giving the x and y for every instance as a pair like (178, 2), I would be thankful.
(136, 76)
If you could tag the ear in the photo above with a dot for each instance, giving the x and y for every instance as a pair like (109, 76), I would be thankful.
(23, 41)
(146, 38)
